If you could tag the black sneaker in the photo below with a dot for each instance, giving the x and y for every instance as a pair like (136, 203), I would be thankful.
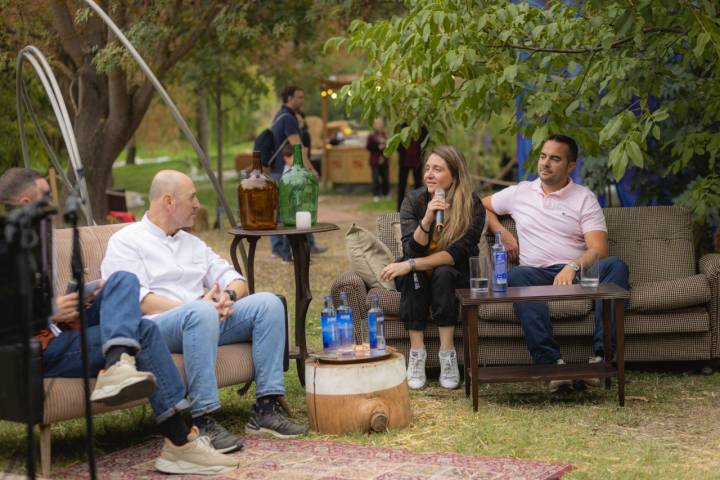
(222, 440)
(273, 421)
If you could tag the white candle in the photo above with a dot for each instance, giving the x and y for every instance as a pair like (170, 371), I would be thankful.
(302, 220)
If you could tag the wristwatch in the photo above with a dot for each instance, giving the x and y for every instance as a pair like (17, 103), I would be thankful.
(574, 266)
(411, 262)
(231, 294)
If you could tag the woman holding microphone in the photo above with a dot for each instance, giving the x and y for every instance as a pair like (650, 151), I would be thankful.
(441, 224)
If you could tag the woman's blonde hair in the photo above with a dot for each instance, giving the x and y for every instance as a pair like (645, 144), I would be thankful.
(460, 214)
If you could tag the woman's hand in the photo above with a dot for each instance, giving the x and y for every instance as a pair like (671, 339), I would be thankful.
(435, 204)
(397, 269)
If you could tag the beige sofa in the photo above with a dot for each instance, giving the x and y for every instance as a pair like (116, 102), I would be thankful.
(673, 313)
(64, 398)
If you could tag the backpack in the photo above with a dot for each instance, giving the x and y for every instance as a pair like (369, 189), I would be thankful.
(265, 144)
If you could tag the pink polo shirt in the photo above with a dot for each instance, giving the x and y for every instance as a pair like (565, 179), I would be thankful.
(550, 226)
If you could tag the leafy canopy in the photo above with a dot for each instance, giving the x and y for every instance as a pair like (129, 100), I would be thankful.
(635, 82)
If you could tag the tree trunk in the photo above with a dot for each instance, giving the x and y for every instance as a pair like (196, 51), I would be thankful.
(219, 120)
(131, 152)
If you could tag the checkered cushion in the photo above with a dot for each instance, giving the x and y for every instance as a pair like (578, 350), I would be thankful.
(656, 243)
(710, 266)
(670, 294)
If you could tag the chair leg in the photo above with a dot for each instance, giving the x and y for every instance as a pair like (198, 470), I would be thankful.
(45, 440)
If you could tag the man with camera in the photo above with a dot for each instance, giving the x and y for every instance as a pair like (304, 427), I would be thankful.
(118, 340)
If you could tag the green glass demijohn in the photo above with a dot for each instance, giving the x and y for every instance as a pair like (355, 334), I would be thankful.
(298, 191)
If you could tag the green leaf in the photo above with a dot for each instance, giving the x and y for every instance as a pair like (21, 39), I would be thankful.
(635, 154)
(539, 136)
(703, 39)
(510, 73)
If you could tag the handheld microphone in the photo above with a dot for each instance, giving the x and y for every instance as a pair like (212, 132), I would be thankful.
(440, 214)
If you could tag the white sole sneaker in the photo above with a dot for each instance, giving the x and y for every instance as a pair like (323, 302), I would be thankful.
(122, 383)
(182, 467)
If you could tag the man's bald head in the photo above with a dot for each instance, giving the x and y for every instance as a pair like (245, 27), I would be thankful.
(167, 181)
(173, 201)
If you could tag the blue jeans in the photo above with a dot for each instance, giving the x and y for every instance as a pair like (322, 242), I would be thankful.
(535, 318)
(194, 330)
(114, 319)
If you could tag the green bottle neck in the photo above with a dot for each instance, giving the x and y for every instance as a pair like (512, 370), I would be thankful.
(297, 156)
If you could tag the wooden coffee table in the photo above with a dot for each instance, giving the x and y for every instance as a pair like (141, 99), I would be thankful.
(612, 296)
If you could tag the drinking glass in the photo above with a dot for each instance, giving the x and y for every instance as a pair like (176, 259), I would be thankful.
(479, 275)
(590, 272)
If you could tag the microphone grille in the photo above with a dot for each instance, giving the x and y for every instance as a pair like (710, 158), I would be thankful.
(440, 192)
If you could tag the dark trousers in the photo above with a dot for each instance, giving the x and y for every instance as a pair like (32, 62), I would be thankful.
(114, 319)
(402, 181)
(380, 179)
(535, 317)
(434, 298)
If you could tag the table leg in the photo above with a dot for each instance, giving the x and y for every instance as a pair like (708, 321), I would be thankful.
(607, 329)
(303, 296)
(466, 349)
(620, 340)
(233, 253)
(251, 264)
(471, 319)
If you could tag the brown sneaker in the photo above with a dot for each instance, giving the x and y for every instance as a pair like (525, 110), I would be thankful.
(122, 383)
(196, 457)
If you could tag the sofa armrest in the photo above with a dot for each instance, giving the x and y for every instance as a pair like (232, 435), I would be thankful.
(357, 298)
(710, 267)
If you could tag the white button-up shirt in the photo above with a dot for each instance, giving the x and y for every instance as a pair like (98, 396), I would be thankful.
(178, 266)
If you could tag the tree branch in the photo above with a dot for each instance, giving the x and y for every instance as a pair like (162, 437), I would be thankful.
(69, 37)
(616, 44)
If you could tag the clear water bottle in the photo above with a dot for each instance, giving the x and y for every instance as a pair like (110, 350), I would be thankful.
(328, 325)
(376, 324)
(499, 259)
(344, 321)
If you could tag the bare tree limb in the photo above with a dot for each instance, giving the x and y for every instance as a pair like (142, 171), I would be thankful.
(69, 37)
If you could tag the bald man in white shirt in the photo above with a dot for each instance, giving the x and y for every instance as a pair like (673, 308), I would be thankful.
(199, 302)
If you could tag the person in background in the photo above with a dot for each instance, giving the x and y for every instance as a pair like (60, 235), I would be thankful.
(379, 163)
(436, 263)
(119, 341)
(410, 160)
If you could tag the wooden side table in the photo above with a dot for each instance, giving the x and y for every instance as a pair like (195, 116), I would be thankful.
(611, 295)
(301, 266)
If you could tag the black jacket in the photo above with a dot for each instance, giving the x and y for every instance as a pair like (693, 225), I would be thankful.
(413, 210)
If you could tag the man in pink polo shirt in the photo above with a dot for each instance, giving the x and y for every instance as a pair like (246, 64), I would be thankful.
(560, 226)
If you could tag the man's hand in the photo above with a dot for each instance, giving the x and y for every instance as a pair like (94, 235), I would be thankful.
(565, 276)
(220, 300)
(66, 308)
(511, 245)
(393, 270)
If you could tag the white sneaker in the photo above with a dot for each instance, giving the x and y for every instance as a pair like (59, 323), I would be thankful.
(557, 386)
(594, 382)
(196, 457)
(449, 372)
(122, 383)
(416, 369)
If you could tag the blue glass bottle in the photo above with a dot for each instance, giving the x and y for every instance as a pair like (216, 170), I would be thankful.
(499, 260)
(376, 324)
(346, 344)
(328, 325)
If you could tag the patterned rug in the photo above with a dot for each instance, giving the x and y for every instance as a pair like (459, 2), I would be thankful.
(264, 458)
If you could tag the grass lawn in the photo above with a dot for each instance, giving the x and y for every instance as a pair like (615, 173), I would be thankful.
(669, 428)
